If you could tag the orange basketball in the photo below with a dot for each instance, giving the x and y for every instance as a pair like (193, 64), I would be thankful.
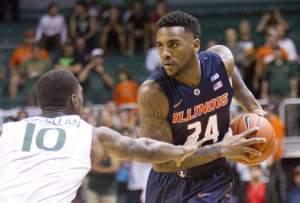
(250, 120)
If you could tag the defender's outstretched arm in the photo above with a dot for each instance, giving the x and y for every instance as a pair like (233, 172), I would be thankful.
(141, 149)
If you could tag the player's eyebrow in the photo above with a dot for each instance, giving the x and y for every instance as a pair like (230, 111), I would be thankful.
(174, 40)
(169, 41)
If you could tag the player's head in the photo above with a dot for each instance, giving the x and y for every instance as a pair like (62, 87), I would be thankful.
(59, 89)
(178, 41)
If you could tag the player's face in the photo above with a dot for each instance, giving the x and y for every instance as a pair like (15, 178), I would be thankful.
(176, 48)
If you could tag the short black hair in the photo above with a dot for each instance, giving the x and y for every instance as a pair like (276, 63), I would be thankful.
(180, 18)
(55, 88)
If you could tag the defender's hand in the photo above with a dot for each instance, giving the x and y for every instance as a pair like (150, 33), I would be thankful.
(239, 146)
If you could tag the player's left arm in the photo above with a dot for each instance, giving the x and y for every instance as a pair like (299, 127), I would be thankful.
(241, 93)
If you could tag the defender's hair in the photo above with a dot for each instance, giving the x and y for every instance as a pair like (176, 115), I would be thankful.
(55, 88)
(179, 18)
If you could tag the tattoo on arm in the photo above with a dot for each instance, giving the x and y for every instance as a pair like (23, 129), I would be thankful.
(153, 106)
(141, 149)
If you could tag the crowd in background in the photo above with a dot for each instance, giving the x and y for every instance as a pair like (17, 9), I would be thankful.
(80, 44)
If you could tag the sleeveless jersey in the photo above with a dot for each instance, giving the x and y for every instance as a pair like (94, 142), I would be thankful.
(199, 113)
(44, 159)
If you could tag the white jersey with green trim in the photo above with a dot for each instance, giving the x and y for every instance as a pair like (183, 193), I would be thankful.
(44, 160)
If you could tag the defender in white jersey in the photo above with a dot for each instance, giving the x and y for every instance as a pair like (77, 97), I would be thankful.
(44, 159)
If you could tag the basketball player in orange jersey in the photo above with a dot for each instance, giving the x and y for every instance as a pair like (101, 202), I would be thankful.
(187, 101)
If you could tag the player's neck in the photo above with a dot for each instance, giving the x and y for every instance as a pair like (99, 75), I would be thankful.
(192, 73)
(52, 112)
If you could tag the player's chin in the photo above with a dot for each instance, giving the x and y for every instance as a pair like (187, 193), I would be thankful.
(171, 71)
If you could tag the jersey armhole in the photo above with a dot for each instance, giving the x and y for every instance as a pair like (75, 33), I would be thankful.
(221, 62)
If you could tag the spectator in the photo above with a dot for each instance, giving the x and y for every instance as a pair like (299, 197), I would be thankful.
(293, 195)
(271, 18)
(52, 30)
(279, 72)
(161, 9)
(24, 51)
(231, 42)
(122, 176)
(96, 81)
(67, 59)
(128, 119)
(30, 71)
(125, 91)
(88, 116)
(94, 8)
(247, 62)
(276, 186)
(82, 25)
(138, 176)
(245, 35)
(246, 45)
(27, 51)
(102, 179)
(265, 54)
(256, 188)
(286, 43)
(113, 34)
(112, 108)
(138, 29)
(81, 52)
(152, 59)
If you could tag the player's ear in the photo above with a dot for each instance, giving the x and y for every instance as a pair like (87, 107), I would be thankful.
(196, 45)
(74, 99)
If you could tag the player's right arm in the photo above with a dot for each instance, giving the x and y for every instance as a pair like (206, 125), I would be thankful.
(153, 106)
(141, 149)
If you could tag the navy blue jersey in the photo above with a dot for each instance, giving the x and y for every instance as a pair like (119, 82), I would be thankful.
(195, 113)
(199, 109)
(198, 113)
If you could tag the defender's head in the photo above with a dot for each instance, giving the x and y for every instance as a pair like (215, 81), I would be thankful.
(178, 41)
(60, 89)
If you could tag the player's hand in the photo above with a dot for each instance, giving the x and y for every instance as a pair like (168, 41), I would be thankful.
(239, 146)
(188, 150)
(260, 112)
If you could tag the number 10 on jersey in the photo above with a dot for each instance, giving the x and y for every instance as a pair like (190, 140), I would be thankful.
(42, 136)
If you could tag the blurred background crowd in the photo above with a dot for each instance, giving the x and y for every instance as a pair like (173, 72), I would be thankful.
(110, 48)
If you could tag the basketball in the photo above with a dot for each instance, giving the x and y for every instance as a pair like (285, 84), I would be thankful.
(250, 120)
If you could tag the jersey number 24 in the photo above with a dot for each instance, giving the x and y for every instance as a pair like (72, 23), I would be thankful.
(211, 131)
